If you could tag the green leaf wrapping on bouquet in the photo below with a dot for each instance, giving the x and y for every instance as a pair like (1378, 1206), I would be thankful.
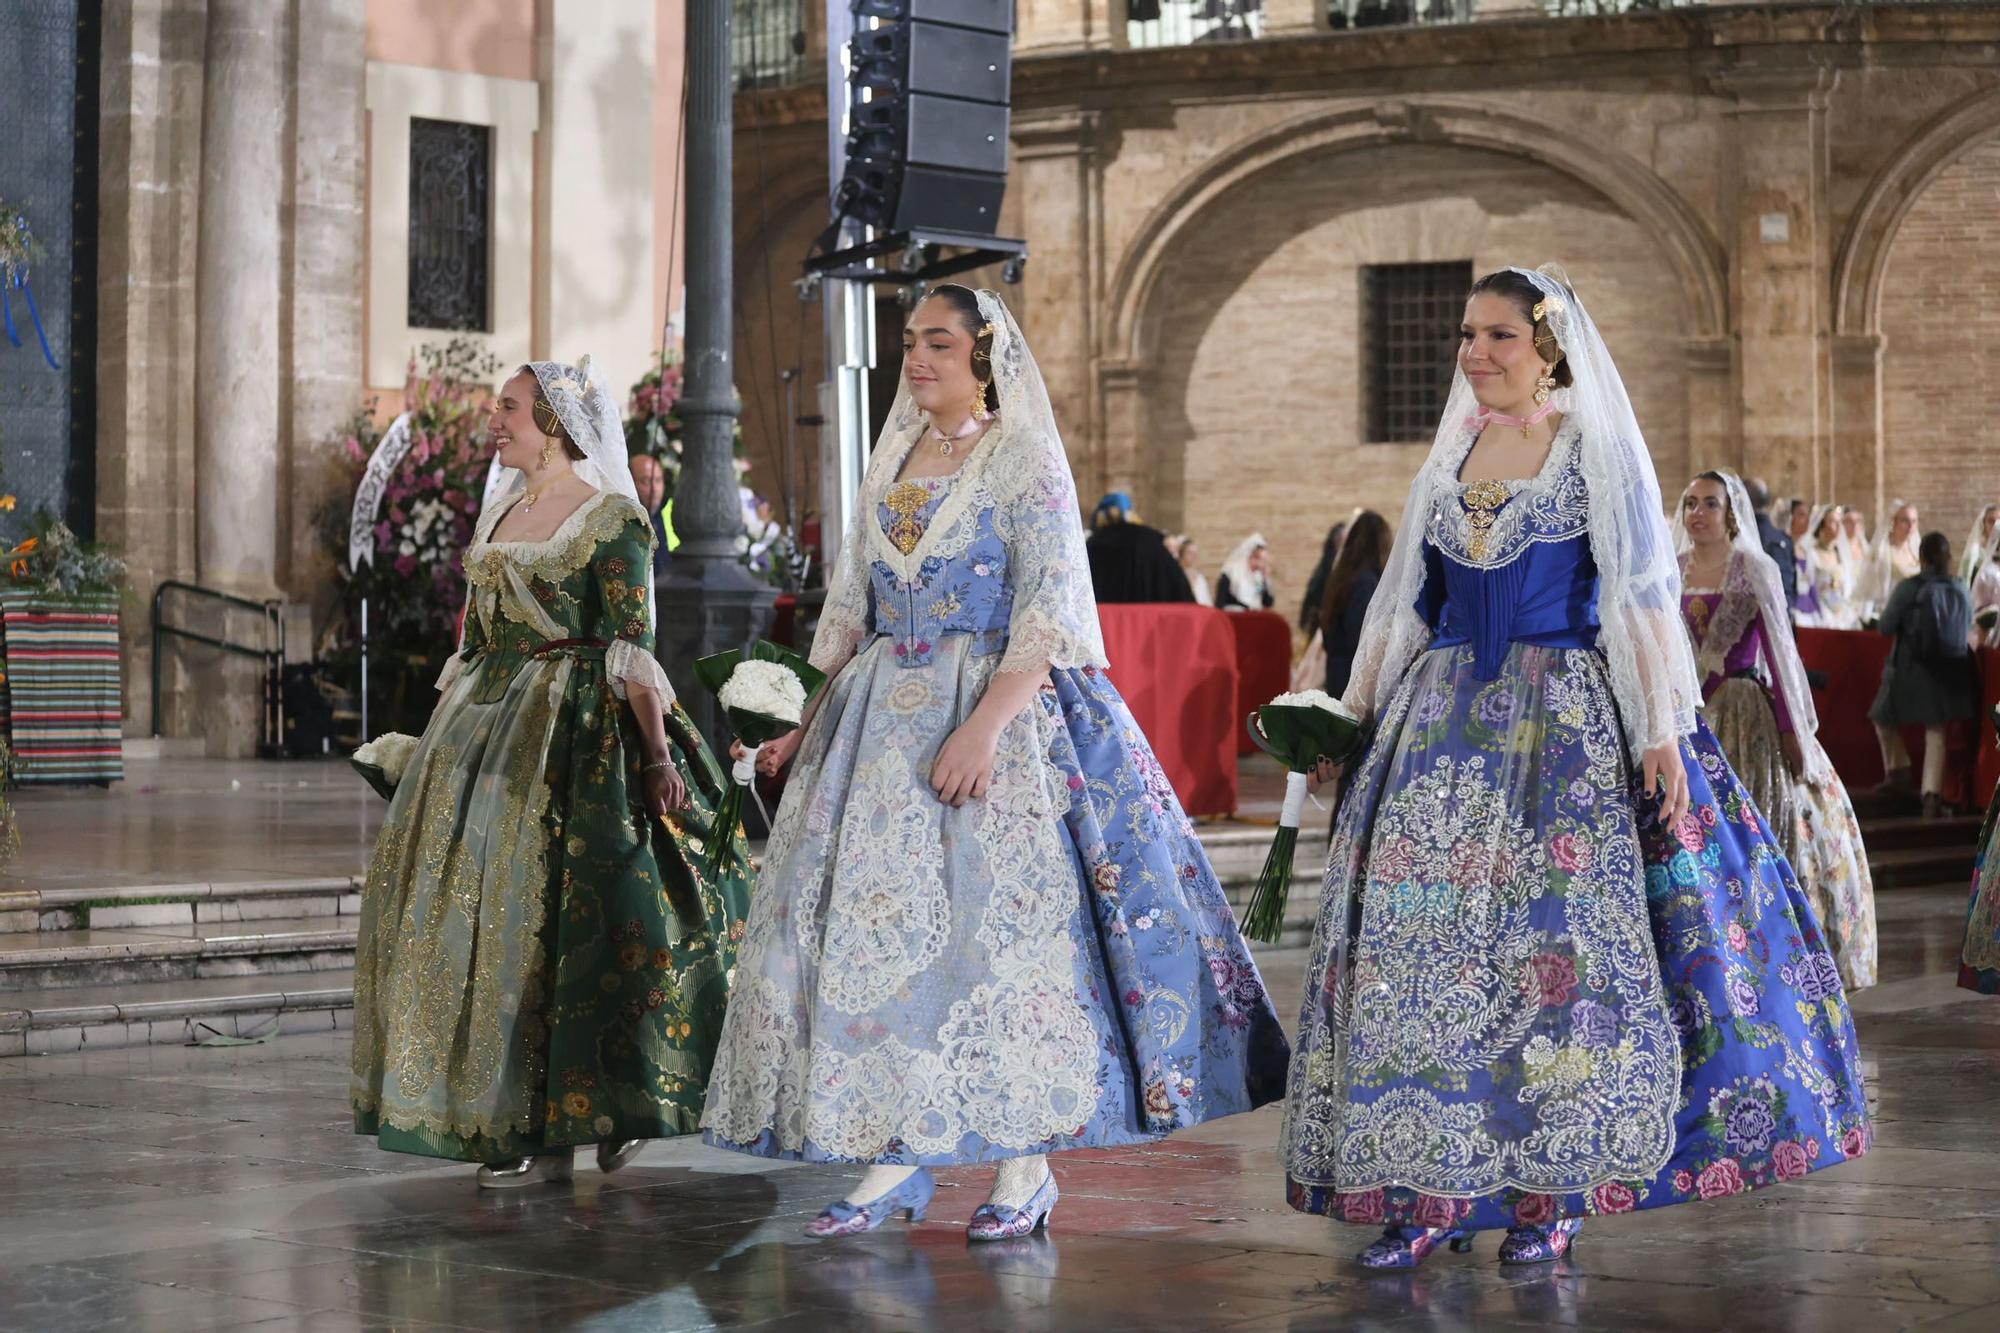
(1298, 735)
(375, 778)
(752, 729)
(1264, 919)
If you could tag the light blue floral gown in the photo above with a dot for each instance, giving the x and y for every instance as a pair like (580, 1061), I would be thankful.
(1528, 1000)
(1051, 966)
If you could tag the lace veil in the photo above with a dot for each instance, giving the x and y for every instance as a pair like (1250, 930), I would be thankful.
(1638, 597)
(1979, 544)
(1021, 473)
(1753, 588)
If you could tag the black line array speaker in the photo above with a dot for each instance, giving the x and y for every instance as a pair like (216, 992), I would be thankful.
(927, 126)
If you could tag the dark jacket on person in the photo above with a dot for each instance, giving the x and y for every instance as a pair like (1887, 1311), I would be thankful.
(1227, 596)
(1930, 678)
(1778, 545)
(1343, 637)
(1129, 562)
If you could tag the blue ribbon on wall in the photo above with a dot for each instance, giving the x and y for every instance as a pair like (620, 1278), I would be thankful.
(34, 313)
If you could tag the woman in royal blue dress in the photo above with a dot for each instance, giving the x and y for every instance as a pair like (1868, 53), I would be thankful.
(1561, 968)
(985, 930)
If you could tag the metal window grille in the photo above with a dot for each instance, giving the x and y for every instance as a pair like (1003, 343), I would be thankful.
(769, 43)
(1190, 22)
(451, 224)
(1410, 315)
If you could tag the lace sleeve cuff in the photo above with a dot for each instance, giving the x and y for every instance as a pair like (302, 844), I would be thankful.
(626, 662)
(454, 667)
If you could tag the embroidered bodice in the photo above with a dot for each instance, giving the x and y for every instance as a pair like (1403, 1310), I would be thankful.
(959, 592)
(1701, 608)
(1509, 561)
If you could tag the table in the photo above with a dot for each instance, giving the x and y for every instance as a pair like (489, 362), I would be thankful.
(1176, 666)
(1853, 662)
(1263, 666)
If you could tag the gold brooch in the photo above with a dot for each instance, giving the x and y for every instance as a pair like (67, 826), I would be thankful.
(906, 502)
(1548, 305)
(1482, 501)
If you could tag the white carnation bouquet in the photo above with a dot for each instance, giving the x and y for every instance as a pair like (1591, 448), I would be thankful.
(764, 694)
(384, 760)
(1298, 730)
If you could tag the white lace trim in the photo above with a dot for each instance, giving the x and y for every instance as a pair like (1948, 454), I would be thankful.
(626, 662)
(1551, 506)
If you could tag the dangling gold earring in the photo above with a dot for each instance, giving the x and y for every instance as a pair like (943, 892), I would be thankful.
(1545, 386)
(548, 456)
(979, 412)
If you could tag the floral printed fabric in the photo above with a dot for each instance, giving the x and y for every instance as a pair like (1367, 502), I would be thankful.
(1543, 1006)
(540, 962)
(1979, 968)
(1052, 966)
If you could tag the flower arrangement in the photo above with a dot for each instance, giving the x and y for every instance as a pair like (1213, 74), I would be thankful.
(653, 423)
(53, 559)
(384, 760)
(764, 696)
(1298, 730)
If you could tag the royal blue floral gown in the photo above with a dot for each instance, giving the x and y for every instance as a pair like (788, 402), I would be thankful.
(1526, 999)
(1052, 966)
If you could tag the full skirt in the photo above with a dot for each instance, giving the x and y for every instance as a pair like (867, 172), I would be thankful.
(1814, 821)
(539, 963)
(1979, 963)
(1527, 1000)
(1051, 966)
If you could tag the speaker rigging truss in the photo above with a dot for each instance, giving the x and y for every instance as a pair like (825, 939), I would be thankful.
(924, 256)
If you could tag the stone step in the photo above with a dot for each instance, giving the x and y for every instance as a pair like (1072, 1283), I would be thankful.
(1896, 834)
(172, 1013)
(51, 959)
(144, 905)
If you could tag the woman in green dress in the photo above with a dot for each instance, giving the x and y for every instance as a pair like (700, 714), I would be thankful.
(542, 962)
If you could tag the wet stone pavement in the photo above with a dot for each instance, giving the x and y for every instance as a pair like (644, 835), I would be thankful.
(165, 1188)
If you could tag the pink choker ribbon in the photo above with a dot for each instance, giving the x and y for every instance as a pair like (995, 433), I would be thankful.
(1486, 416)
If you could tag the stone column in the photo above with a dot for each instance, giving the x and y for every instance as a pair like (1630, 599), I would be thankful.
(237, 283)
(1711, 406)
(708, 601)
(1056, 193)
(1781, 253)
(1052, 27)
(237, 350)
(1859, 472)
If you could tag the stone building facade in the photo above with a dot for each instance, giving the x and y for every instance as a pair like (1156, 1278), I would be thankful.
(254, 185)
(1783, 216)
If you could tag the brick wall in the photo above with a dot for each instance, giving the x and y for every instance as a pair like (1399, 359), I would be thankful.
(1941, 318)
(1252, 386)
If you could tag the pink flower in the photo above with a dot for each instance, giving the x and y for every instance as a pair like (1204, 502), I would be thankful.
(1432, 1211)
(406, 565)
(1552, 977)
(1365, 1207)
(1707, 813)
(1535, 1210)
(1723, 1178)
(1739, 939)
(1688, 830)
(1812, 1149)
(1613, 1197)
(1749, 819)
(1854, 1142)
(1683, 1183)
(1571, 853)
(1395, 861)
(1790, 1159)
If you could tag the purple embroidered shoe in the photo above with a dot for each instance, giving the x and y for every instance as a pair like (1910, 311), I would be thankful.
(999, 1221)
(1406, 1247)
(841, 1218)
(1539, 1245)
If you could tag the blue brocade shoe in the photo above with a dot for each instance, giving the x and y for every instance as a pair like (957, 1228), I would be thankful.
(1406, 1247)
(1539, 1245)
(841, 1218)
(999, 1221)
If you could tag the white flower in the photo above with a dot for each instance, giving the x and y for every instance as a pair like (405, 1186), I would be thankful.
(1314, 699)
(769, 689)
(389, 752)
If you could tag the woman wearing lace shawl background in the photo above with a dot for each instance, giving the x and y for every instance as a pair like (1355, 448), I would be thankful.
(541, 962)
(986, 930)
(1762, 711)
(1560, 968)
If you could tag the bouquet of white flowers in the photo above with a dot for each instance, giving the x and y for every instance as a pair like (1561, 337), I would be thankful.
(383, 760)
(1298, 730)
(764, 695)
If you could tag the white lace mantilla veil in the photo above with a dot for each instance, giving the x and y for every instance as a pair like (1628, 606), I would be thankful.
(1639, 584)
(1753, 586)
(1978, 547)
(1020, 461)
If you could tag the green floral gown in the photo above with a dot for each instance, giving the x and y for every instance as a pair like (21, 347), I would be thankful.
(540, 963)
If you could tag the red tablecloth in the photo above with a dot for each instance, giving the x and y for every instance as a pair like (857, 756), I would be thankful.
(1853, 661)
(1263, 666)
(1176, 667)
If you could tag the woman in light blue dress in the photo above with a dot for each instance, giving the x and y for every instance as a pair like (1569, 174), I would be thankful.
(985, 930)
(1561, 967)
